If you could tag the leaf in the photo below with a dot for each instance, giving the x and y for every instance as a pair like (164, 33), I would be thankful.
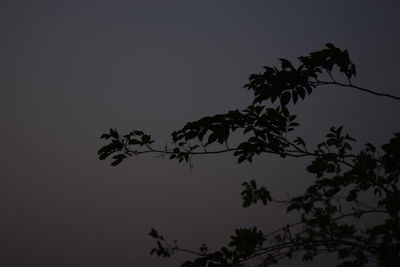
(212, 138)
(301, 92)
(118, 159)
(308, 89)
(116, 162)
(146, 139)
(285, 111)
(330, 46)
(285, 98)
(294, 97)
(352, 195)
(134, 142)
(105, 136)
(300, 141)
(286, 64)
(103, 156)
(114, 133)
(153, 233)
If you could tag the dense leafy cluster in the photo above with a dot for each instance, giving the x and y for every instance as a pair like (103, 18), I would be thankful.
(351, 209)
(289, 82)
(336, 212)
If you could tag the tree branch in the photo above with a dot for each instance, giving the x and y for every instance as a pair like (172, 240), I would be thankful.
(355, 87)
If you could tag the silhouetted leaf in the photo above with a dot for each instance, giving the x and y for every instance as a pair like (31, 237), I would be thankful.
(285, 98)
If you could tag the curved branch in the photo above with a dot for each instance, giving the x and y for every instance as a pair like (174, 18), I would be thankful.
(355, 87)
(299, 153)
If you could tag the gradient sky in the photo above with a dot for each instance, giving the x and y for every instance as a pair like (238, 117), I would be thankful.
(70, 70)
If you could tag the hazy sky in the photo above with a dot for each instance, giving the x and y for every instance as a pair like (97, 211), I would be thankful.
(70, 70)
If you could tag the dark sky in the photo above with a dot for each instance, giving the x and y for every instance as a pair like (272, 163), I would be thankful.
(69, 70)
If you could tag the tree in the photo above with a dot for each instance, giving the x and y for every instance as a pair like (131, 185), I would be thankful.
(334, 211)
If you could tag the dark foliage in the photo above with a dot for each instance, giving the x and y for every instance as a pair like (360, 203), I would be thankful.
(335, 211)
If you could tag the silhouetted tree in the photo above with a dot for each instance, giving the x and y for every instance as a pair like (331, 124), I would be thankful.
(334, 211)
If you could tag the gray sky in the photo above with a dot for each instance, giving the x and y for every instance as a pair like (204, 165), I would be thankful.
(70, 70)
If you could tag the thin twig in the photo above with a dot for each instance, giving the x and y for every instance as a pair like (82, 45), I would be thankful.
(357, 88)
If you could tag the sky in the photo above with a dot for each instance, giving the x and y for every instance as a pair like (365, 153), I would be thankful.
(70, 70)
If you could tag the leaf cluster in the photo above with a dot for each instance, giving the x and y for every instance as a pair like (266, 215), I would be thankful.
(251, 194)
(123, 146)
(291, 83)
